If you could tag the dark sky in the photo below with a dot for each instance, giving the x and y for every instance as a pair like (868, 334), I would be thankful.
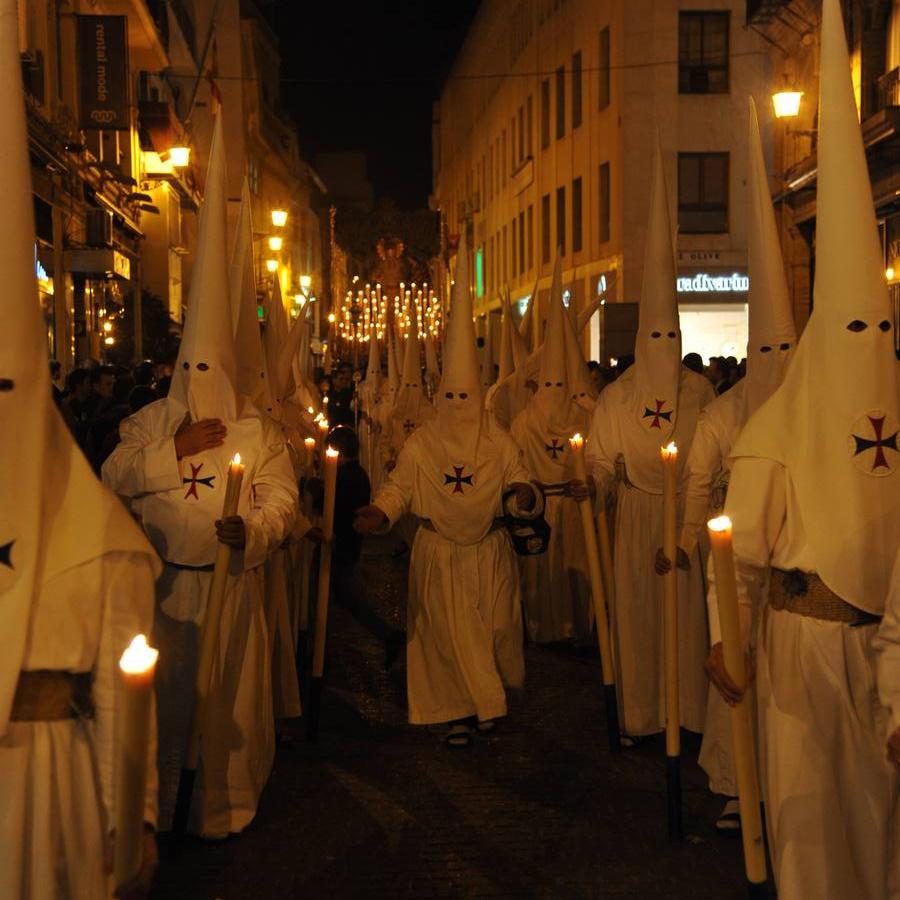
(363, 75)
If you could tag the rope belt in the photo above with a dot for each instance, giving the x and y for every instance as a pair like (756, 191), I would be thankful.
(807, 595)
(428, 525)
(50, 695)
(558, 489)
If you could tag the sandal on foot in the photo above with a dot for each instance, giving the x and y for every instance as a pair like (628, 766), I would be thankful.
(459, 736)
(729, 821)
(487, 726)
(630, 741)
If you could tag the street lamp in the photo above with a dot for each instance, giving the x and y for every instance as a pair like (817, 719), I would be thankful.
(275, 243)
(787, 103)
(272, 265)
(180, 156)
(279, 217)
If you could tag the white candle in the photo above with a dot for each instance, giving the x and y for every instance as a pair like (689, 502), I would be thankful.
(669, 457)
(330, 477)
(136, 670)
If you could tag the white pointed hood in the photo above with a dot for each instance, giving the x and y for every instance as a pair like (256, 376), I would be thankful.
(205, 375)
(518, 341)
(486, 357)
(251, 380)
(553, 398)
(833, 423)
(657, 350)
(370, 388)
(275, 345)
(393, 379)
(55, 514)
(580, 385)
(432, 367)
(411, 408)
(459, 400)
(772, 336)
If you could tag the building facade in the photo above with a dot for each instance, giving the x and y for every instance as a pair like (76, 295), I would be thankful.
(121, 97)
(792, 28)
(543, 139)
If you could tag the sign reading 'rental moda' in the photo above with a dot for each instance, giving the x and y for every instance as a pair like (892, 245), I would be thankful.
(103, 72)
(704, 283)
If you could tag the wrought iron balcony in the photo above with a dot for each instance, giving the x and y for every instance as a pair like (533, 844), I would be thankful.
(761, 12)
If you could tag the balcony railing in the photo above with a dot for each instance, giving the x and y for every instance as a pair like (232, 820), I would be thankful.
(888, 89)
(761, 12)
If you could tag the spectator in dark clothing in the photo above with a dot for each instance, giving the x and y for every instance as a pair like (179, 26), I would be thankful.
(122, 389)
(623, 364)
(140, 396)
(718, 374)
(143, 373)
(340, 397)
(55, 373)
(162, 386)
(77, 412)
(694, 362)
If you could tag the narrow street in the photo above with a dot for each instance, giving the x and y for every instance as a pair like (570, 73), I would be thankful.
(538, 809)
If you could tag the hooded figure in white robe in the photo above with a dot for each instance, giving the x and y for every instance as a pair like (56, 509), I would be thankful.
(385, 404)
(432, 368)
(464, 608)
(369, 395)
(178, 500)
(76, 584)
(555, 584)
(656, 401)
(814, 496)
(772, 340)
(411, 408)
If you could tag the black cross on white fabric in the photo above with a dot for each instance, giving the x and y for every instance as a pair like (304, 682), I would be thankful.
(657, 414)
(458, 479)
(193, 481)
(879, 443)
(409, 426)
(554, 448)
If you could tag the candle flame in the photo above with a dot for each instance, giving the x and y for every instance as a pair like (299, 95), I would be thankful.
(720, 523)
(323, 424)
(236, 459)
(310, 442)
(331, 453)
(310, 410)
(138, 657)
(670, 451)
(576, 440)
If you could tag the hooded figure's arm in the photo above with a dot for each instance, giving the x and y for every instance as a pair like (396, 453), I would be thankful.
(887, 646)
(395, 496)
(704, 463)
(142, 463)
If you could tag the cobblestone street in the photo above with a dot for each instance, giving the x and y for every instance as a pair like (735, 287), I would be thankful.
(538, 809)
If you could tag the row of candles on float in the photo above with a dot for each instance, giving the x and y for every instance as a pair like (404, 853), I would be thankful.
(368, 310)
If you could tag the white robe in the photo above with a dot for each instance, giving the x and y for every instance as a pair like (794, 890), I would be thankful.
(617, 446)
(178, 512)
(556, 587)
(705, 483)
(56, 778)
(464, 617)
(830, 794)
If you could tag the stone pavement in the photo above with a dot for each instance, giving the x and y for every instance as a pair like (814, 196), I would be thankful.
(379, 809)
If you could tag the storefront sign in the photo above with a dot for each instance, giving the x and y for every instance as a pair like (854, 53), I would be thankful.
(103, 72)
(704, 283)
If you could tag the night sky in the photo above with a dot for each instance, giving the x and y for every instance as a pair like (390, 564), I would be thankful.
(363, 76)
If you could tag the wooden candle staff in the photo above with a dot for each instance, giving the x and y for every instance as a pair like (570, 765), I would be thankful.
(669, 456)
(606, 557)
(137, 667)
(209, 641)
(599, 596)
(741, 721)
(318, 665)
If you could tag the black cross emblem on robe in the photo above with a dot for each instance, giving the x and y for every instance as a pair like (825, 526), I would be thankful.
(6, 555)
(458, 479)
(193, 481)
(409, 426)
(554, 448)
(879, 444)
(657, 414)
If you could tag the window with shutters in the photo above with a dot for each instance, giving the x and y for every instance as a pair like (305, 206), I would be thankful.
(603, 70)
(703, 193)
(576, 215)
(576, 90)
(703, 52)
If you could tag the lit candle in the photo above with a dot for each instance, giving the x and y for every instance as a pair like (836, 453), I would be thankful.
(136, 667)
(719, 530)
(576, 442)
(309, 445)
(669, 457)
(318, 664)
(323, 433)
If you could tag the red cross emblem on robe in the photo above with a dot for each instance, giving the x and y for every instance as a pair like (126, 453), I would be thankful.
(457, 479)
(554, 449)
(874, 443)
(656, 414)
(194, 480)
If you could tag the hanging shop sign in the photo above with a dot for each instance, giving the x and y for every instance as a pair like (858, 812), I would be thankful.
(103, 72)
(704, 283)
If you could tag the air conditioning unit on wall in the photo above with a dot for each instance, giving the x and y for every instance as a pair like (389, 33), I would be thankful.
(99, 228)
